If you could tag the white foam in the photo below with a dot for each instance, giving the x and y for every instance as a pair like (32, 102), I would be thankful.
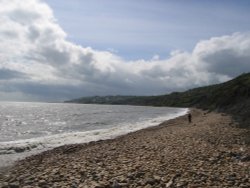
(22, 148)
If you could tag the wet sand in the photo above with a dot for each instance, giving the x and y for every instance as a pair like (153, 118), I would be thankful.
(209, 152)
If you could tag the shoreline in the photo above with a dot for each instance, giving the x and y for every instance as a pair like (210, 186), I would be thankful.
(208, 152)
(29, 147)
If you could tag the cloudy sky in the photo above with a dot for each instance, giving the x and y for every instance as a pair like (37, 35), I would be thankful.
(54, 50)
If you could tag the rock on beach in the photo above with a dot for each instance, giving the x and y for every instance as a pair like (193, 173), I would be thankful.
(209, 152)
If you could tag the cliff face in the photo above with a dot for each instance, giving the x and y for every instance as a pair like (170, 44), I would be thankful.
(232, 97)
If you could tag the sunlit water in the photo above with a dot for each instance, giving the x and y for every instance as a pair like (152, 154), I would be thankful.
(29, 128)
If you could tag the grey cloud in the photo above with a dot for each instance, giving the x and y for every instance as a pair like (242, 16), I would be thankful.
(34, 33)
(24, 17)
(53, 68)
(227, 62)
(225, 56)
(54, 56)
(9, 34)
(45, 92)
(84, 66)
(6, 74)
(155, 72)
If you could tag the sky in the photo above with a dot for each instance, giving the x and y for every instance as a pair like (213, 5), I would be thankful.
(54, 50)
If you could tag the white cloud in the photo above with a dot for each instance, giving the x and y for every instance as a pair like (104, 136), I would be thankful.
(36, 60)
(227, 55)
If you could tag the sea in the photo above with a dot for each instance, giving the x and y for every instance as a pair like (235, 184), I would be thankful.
(29, 128)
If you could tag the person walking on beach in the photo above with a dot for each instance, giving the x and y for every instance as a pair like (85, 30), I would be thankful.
(189, 118)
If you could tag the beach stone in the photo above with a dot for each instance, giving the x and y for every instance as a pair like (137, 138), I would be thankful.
(157, 178)
(19, 149)
(245, 158)
(131, 176)
(123, 179)
(174, 154)
(148, 186)
(4, 185)
(29, 182)
(151, 181)
(14, 185)
(181, 184)
(116, 184)
(170, 183)
(194, 185)
(139, 174)
(245, 180)
(74, 185)
(245, 186)
(42, 183)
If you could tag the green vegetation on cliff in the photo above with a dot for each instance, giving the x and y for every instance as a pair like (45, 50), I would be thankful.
(232, 97)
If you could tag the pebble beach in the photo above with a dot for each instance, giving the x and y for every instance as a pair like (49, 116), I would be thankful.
(208, 152)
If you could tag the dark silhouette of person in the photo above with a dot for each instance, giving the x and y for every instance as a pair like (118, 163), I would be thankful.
(189, 118)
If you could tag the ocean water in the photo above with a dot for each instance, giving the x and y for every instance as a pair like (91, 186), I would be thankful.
(30, 128)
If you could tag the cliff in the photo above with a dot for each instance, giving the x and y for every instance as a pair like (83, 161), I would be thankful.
(231, 97)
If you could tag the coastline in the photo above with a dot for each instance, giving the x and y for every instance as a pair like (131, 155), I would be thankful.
(210, 151)
(13, 151)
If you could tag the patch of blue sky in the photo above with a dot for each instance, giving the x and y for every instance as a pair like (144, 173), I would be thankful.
(142, 28)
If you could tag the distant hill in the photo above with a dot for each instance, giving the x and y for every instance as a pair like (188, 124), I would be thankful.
(231, 97)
